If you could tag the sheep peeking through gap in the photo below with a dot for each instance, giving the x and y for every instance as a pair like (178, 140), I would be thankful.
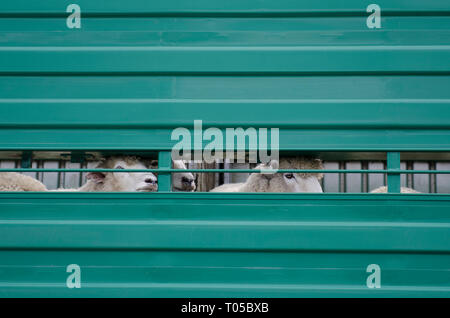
(108, 181)
(119, 181)
(280, 182)
(181, 181)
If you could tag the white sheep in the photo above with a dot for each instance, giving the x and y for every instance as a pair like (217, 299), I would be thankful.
(181, 181)
(280, 182)
(402, 190)
(119, 181)
(12, 181)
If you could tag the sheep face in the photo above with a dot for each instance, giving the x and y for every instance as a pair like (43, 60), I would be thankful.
(302, 182)
(292, 182)
(284, 182)
(123, 181)
(183, 181)
(268, 180)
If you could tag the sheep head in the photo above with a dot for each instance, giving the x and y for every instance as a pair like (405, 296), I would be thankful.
(270, 181)
(181, 181)
(302, 182)
(121, 181)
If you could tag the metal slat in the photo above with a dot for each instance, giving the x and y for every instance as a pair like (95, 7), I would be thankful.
(224, 32)
(226, 88)
(155, 113)
(393, 179)
(206, 219)
(225, 60)
(231, 6)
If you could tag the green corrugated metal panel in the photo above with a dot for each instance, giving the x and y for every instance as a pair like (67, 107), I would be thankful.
(290, 139)
(352, 88)
(210, 245)
(210, 221)
(214, 60)
(165, 273)
(321, 114)
(220, 31)
(138, 69)
(232, 6)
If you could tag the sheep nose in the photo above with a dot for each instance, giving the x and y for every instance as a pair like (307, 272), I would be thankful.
(186, 180)
(151, 181)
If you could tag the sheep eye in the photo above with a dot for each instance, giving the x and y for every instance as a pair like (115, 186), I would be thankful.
(289, 175)
(120, 167)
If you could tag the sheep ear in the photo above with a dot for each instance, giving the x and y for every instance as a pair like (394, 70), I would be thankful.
(96, 177)
(179, 164)
(273, 164)
(269, 168)
(153, 163)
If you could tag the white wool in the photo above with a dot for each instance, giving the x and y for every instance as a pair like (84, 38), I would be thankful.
(12, 181)
(402, 190)
(119, 181)
(280, 182)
